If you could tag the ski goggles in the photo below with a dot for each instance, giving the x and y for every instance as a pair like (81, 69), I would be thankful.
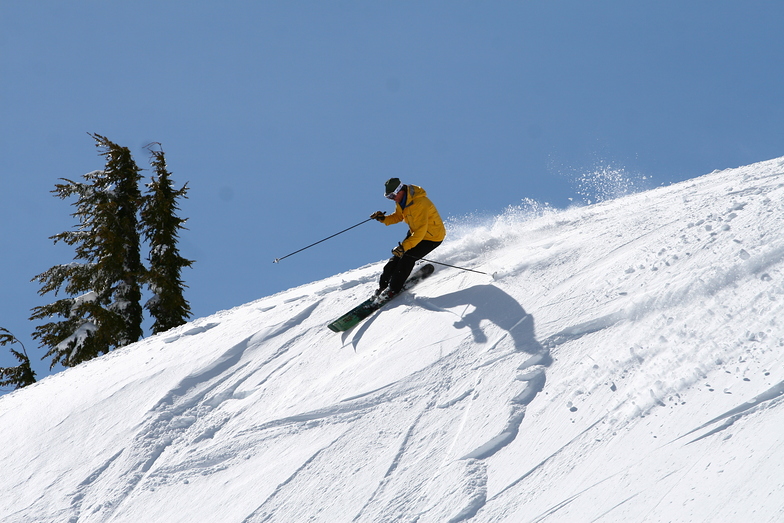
(391, 195)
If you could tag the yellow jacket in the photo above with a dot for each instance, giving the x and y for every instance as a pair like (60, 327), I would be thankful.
(422, 218)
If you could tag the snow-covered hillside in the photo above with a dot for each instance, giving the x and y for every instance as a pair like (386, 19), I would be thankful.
(624, 365)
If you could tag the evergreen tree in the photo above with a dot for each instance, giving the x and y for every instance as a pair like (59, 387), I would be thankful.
(106, 312)
(161, 226)
(21, 375)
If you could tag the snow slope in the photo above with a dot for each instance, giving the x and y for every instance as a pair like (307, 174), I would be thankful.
(624, 365)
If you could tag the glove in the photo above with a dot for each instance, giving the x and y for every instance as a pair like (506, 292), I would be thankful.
(398, 251)
(378, 215)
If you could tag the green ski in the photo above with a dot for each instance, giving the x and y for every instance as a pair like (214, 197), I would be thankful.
(368, 307)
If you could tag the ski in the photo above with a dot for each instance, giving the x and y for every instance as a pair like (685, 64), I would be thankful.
(368, 307)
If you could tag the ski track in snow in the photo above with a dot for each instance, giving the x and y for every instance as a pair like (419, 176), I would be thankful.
(176, 414)
(733, 415)
(534, 397)
(418, 388)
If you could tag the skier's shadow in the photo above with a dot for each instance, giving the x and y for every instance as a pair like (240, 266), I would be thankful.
(489, 303)
(494, 305)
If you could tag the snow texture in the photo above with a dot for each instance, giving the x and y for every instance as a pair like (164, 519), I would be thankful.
(624, 365)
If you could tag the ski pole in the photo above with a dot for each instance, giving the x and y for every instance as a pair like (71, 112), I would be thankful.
(276, 260)
(456, 267)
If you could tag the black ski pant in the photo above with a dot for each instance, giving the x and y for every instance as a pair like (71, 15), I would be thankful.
(397, 270)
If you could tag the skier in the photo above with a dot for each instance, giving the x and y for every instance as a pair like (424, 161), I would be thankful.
(426, 231)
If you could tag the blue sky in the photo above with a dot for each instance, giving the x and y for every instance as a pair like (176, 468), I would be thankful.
(285, 118)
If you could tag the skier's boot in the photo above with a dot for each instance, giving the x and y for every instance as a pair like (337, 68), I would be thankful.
(386, 295)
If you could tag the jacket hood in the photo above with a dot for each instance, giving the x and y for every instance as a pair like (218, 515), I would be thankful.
(413, 192)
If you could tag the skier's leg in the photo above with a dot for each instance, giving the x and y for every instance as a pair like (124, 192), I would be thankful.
(404, 268)
(387, 272)
(406, 263)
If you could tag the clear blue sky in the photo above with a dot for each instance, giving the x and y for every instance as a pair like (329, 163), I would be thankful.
(285, 118)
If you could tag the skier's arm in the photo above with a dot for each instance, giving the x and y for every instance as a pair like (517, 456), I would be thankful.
(395, 217)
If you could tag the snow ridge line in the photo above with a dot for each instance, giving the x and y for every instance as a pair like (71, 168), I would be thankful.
(545, 460)
(535, 378)
(368, 400)
(180, 409)
(395, 463)
(77, 498)
(555, 508)
(510, 431)
(227, 360)
(360, 405)
(254, 516)
(738, 412)
(350, 406)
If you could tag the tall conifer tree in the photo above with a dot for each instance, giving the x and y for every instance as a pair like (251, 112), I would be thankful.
(104, 310)
(161, 227)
